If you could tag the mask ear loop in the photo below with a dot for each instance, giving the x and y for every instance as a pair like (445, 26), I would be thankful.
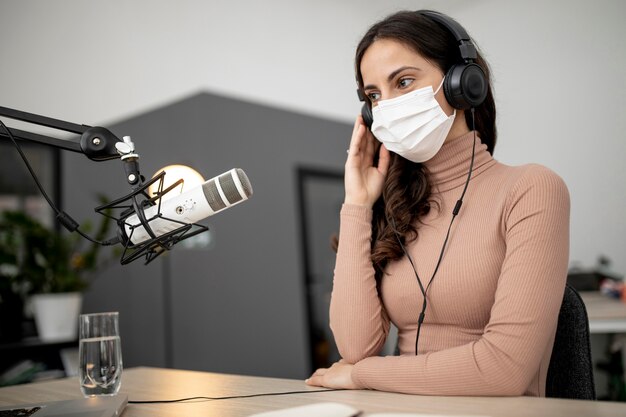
(453, 109)
(455, 212)
(439, 88)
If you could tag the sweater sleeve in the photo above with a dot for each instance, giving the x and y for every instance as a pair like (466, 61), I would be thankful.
(357, 317)
(524, 314)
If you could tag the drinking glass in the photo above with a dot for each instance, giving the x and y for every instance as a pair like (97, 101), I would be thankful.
(100, 354)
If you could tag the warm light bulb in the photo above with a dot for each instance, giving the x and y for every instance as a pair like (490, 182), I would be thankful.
(173, 173)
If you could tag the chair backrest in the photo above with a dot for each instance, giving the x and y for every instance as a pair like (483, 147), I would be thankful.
(570, 374)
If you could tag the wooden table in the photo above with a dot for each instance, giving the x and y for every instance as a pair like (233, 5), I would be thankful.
(160, 384)
(606, 315)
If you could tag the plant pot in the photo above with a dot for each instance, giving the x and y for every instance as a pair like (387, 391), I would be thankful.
(56, 315)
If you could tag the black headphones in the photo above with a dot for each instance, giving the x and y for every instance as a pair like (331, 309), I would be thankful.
(465, 84)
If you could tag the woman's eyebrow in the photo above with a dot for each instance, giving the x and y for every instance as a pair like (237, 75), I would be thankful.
(392, 75)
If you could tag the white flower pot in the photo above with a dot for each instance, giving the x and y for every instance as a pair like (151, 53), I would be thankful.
(56, 315)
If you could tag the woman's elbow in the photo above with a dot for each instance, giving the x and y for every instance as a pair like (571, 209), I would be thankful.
(352, 356)
(515, 385)
(353, 350)
(512, 390)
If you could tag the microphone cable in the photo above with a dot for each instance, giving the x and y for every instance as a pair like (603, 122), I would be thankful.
(65, 219)
(232, 397)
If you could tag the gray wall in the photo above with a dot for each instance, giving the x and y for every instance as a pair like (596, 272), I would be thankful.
(558, 68)
(238, 306)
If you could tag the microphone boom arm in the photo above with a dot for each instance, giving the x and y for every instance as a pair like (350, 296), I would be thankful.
(96, 143)
(99, 144)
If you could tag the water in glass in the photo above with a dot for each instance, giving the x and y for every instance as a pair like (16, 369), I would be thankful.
(100, 365)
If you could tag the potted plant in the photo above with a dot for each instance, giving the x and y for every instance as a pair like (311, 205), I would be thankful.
(48, 266)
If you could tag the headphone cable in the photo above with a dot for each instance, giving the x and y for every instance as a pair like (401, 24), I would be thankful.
(455, 212)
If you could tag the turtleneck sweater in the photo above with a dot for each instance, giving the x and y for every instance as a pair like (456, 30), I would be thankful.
(493, 305)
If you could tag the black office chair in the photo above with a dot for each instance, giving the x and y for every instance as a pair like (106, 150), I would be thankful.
(570, 374)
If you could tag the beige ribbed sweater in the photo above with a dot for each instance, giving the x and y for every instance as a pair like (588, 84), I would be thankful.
(493, 305)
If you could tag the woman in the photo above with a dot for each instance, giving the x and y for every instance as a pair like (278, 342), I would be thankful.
(475, 299)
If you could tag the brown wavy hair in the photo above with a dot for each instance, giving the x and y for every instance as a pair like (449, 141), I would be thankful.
(406, 195)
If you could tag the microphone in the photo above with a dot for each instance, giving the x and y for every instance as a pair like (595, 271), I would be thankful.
(215, 195)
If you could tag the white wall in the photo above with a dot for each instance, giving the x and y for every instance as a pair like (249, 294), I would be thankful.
(558, 66)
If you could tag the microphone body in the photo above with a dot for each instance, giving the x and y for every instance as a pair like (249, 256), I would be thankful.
(215, 195)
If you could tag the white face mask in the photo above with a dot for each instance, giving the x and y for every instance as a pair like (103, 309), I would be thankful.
(413, 125)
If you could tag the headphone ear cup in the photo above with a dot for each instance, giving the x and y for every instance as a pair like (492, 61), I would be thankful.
(368, 118)
(465, 86)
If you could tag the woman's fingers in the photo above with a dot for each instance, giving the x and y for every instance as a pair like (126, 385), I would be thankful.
(363, 179)
(357, 123)
(384, 159)
(355, 140)
(355, 143)
(320, 372)
(370, 146)
(339, 375)
(316, 378)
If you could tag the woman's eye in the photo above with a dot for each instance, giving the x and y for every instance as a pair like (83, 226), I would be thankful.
(405, 82)
(374, 97)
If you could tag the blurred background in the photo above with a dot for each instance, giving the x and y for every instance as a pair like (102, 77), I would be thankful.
(269, 87)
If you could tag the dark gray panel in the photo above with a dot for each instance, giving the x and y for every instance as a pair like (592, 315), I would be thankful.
(239, 306)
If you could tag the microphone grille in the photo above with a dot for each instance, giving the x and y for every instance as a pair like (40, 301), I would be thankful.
(229, 188)
(227, 184)
(212, 195)
(245, 182)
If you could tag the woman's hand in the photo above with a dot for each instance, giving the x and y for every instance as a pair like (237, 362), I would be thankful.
(339, 375)
(364, 181)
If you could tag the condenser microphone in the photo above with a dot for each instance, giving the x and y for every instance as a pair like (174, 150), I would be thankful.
(215, 195)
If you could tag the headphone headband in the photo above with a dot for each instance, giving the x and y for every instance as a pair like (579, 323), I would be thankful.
(465, 84)
(466, 47)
